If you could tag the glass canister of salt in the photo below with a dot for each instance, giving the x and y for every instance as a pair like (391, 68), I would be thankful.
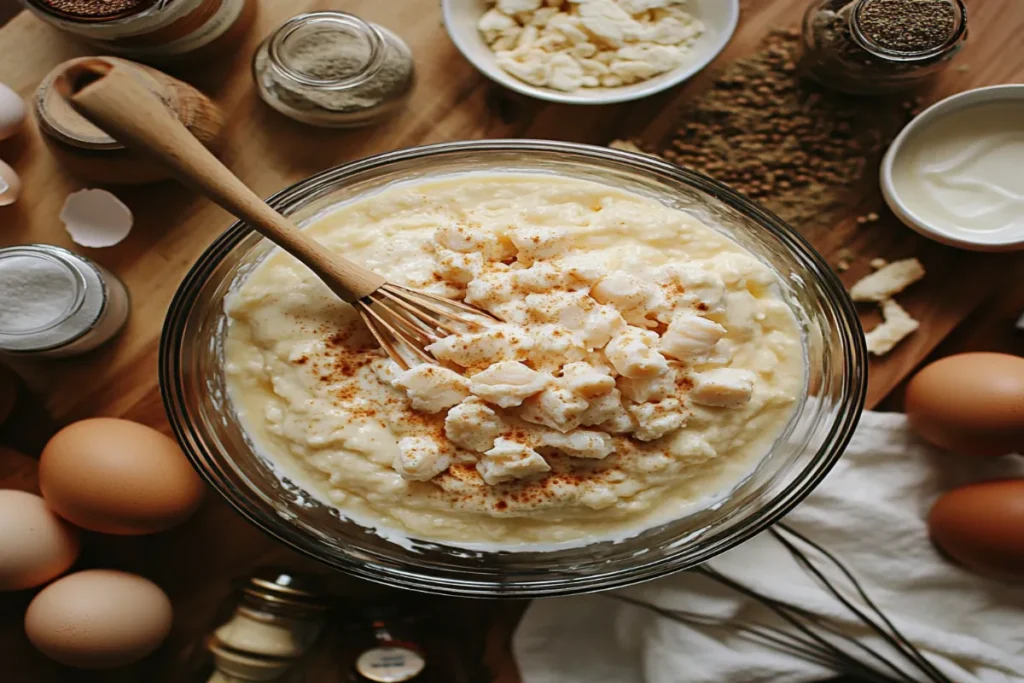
(333, 69)
(55, 303)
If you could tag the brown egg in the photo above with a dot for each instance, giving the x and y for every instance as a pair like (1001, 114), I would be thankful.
(981, 526)
(35, 544)
(8, 392)
(118, 477)
(98, 619)
(971, 403)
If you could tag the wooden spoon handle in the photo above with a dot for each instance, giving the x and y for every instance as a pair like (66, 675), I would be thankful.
(116, 102)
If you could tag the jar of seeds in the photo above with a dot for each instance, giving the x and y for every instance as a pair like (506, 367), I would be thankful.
(873, 47)
(154, 31)
(333, 69)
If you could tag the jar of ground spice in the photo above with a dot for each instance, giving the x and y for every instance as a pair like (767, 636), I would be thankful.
(156, 31)
(333, 69)
(870, 47)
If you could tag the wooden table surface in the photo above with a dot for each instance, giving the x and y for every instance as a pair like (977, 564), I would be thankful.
(966, 302)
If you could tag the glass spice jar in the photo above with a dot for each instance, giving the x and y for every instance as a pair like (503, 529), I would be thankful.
(55, 303)
(158, 31)
(875, 47)
(406, 638)
(333, 69)
(264, 632)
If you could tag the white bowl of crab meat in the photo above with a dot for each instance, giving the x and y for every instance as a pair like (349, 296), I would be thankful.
(643, 364)
(590, 51)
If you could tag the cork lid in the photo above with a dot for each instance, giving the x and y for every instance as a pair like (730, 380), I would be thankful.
(95, 10)
(59, 120)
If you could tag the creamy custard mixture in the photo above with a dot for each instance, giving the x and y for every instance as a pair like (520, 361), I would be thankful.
(643, 365)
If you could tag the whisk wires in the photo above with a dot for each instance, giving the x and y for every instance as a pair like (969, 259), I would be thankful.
(816, 638)
(405, 321)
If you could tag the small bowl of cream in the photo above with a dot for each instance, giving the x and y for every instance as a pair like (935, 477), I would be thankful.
(954, 174)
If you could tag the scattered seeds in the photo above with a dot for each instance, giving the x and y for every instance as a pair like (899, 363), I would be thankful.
(793, 145)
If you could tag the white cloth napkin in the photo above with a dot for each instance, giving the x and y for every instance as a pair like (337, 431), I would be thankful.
(870, 512)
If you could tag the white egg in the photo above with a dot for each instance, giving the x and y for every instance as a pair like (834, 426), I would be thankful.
(10, 185)
(12, 112)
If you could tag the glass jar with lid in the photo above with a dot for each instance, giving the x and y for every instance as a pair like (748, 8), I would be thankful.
(874, 47)
(333, 69)
(158, 31)
(264, 632)
(55, 303)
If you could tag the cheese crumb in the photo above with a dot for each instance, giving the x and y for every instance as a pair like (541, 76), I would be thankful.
(568, 45)
(896, 327)
(473, 426)
(509, 460)
(888, 281)
(508, 383)
(420, 458)
(723, 387)
(431, 388)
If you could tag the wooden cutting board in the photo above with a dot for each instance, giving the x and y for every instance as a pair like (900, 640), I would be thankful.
(452, 101)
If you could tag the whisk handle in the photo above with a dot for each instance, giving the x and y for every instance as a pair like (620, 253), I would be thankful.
(115, 101)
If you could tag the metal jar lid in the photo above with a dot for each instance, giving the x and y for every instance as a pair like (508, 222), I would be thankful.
(78, 296)
(287, 591)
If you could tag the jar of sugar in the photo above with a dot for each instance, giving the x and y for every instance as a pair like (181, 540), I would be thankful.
(55, 303)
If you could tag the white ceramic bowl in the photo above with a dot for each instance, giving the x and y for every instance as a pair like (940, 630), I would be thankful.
(997, 240)
(719, 16)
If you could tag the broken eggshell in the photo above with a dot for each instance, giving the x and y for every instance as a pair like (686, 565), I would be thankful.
(96, 218)
(10, 185)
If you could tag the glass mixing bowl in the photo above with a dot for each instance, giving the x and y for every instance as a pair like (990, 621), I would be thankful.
(200, 412)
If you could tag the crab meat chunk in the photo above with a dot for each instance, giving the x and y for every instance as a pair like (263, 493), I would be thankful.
(496, 343)
(599, 326)
(605, 408)
(568, 309)
(634, 298)
(583, 379)
(655, 420)
(508, 383)
(689, 286)
(723, 387)
(633, 353)
(517, 6)
(469, 240)
(494, 23)
(580, 443)
(644, 389)
(606, 22)
(509, 460)
(534, 243)
(458, 267)
(472, 425)
(555, 407)
(690, 336)
(554, 345)
(542, 276)
(580, 270)
(421, 458)
(490, 289)
(432, 388)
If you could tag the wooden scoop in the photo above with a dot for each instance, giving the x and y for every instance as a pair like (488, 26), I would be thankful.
(403, 320)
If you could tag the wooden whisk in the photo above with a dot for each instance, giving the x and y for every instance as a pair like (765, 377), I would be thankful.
(403, 320)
